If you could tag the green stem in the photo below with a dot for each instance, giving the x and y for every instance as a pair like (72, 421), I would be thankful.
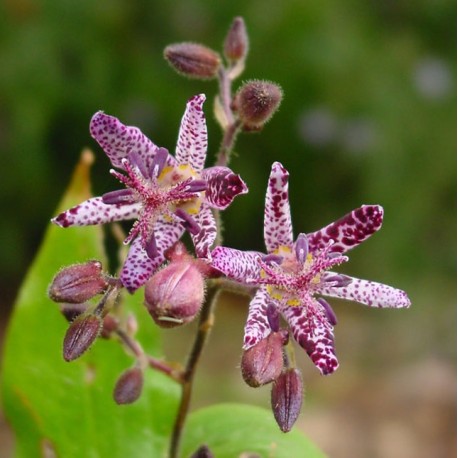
(203, 331)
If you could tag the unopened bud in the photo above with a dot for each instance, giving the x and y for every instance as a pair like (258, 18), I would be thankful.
(236, 42)
(129, 386)
(174, 295)
(78, 283)
(202, 452)
(286, 398)
(80, 335)
(71, 311)
(110, 324)
(263, 363)
(256, 102)
(193, 60)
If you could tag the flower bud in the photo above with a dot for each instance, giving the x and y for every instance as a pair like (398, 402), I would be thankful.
(193, 60)
(78, 283)
(236, 42)
(129, 386)
(174, 295)
(256, 102)
(202, 452)
(263, 362)
(109, 325)
(286, 398)
(80, 335)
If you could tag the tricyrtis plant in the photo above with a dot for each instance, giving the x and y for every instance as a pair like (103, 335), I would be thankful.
(167, 196)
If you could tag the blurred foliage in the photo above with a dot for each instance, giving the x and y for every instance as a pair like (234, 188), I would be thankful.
(368, 117)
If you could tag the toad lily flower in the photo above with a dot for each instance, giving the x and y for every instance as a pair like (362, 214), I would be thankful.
(294, 275)
(166, 195)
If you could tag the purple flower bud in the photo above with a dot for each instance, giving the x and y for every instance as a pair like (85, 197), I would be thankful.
(202, 452)
(236, 42)
(256, 102)
(193, 60)
(80, 335)
(78, 283)
(286, 398)
(330, 315)
(129, 386)
(263, 363)
(71, 311)
(174, 295)
(110, 324)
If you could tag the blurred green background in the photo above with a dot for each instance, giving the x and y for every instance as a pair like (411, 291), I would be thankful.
(369, 116)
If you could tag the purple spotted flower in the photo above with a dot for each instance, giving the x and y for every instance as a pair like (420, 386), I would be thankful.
(166, 195)
(295, 274)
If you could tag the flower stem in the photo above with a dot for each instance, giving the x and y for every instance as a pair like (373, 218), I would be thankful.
(203, 331)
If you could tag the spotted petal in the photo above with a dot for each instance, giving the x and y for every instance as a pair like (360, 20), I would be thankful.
(207, 234)
(118, 140)
(240, 266)
(94, 211)
(350, 230)
(192, 139)
(257, 326)
(139, 267)
(223, 186)
(277, 214)
(315, 335)
(370, 293)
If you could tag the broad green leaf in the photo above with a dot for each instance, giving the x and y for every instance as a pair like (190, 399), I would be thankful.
(68, 407)
(235, 430)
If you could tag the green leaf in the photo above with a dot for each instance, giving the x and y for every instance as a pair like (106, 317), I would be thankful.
(68, 407)
(230, 430)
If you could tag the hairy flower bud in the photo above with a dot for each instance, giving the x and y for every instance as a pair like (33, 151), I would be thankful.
(174, 295)
(263, 363)
(236, 42)
(129, 386)
(256, 102)
(71, 311)
(286, 398)
(78, 283)
(202, 452)
(193, 60)
(80, 335)
(109, 325)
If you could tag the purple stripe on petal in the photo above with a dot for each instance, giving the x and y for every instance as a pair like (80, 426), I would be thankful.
(257, 326)
(237, 265)
(94, 211)
(273, 317)
(277, 214)
(223, 186)
(350, 230)
(369, 293)
(205, 237)
(192, 139)
(315, 335)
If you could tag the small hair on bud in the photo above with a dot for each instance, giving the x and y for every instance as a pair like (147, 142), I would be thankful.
(80, 335)
(256, 102)
(193, 60)
(286, 398)
(236, 41)
(129, 386)
(263, 363)
(78, 283)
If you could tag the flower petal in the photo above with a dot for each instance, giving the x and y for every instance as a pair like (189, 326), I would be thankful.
(192, 138)
(94, 211)
(278, 228)
(350, 230)
(138, 266)
(223, 186)
(257, 325)
(315, 335)
(118, 140)
(237, 265)
(369, 293)
(204, 239)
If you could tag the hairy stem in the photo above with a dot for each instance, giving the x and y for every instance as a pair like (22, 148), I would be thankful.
(203, 331)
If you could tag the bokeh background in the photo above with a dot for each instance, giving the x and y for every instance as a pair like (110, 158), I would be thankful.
(368, 117)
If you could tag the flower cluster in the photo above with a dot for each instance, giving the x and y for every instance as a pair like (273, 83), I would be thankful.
(168, 195)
